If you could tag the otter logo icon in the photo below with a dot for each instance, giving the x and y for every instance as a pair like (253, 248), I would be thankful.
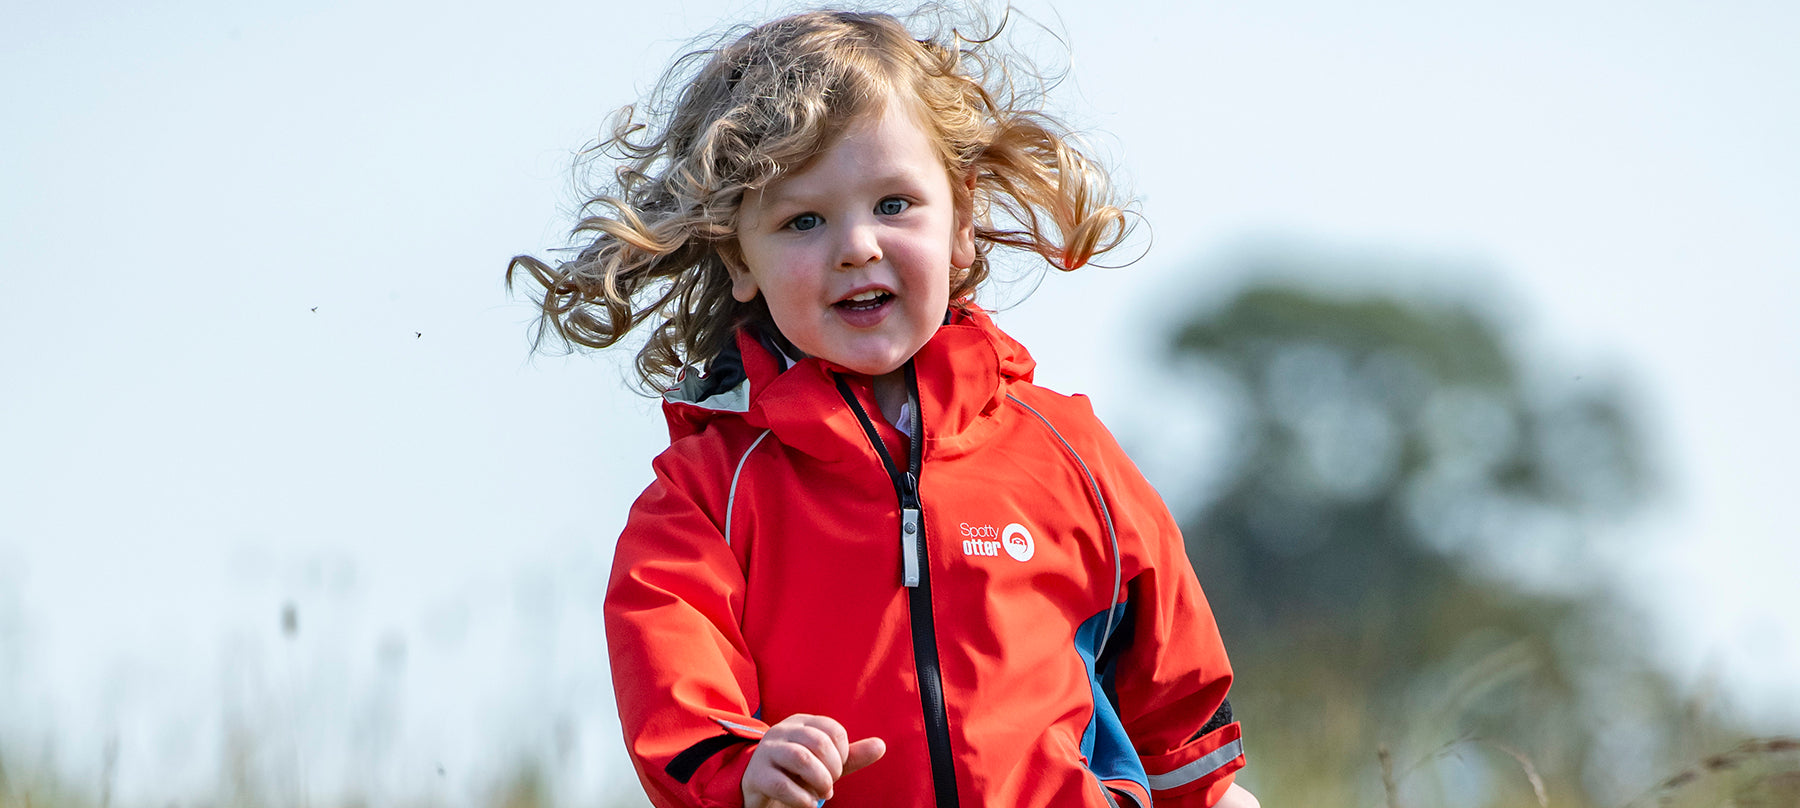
(1017, 541)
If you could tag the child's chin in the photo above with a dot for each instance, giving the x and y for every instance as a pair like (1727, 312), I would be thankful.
(870, 367)
(874, 369)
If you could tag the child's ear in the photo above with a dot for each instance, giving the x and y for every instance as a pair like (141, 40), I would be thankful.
(743, 284)
(962, 242)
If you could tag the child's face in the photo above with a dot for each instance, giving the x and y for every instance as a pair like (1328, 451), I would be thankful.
(854, 254)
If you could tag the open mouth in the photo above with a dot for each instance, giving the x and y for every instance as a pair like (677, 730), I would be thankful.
(866, 301)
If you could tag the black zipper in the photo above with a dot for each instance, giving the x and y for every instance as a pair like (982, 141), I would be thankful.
(915, 575)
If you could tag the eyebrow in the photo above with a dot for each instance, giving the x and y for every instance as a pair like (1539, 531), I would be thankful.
(785, 196)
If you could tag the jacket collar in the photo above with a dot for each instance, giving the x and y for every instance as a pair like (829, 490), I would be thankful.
(964, 371)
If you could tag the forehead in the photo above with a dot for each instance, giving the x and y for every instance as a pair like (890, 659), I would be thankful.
(888, 143)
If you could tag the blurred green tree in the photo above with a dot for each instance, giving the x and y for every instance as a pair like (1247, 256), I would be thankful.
(1400, 557)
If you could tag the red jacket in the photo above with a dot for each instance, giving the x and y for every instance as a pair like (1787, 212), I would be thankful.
(1054, 637)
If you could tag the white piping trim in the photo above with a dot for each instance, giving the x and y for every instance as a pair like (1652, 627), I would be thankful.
(1111, 533)
(740, 728)
(1213, 761)
(731, 499)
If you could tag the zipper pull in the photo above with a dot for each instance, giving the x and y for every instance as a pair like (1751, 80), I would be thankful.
(910, 525)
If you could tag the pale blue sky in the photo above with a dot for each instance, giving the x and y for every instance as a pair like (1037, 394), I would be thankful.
(185, 445)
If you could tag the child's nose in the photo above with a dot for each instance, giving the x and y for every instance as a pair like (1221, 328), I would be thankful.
(861, 246)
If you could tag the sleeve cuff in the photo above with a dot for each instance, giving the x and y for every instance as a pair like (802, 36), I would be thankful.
(724, 780)
(713, 769)
(1199, 772)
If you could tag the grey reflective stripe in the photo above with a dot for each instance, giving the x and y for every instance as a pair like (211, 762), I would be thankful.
(731, 499)
(1106, 516)
(1213, 762)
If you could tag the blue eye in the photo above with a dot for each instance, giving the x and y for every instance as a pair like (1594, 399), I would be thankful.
(891, 206)
(805, 221)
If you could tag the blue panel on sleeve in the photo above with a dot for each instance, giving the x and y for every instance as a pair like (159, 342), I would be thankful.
(1107, 747)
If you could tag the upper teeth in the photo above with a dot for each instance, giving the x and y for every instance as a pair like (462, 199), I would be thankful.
(865, 296)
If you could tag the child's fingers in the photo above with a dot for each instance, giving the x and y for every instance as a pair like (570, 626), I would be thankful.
(802, 765)
(775, 787)
(823, 736)
(863, 753)
(800, 757)
(834, 731)
(1237, 797)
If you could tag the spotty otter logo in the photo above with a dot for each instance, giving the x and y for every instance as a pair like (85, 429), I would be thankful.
(1017, 541)
(985, 540)
(978, 540)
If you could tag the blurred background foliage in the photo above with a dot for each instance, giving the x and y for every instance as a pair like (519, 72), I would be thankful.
(1405, 548)
(1404, 554)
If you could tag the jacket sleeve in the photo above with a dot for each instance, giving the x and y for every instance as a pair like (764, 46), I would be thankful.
(1169, 672)
(681, 669)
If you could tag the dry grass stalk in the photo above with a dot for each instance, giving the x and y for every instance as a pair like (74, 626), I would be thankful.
(1387, 776)
(1531, 774)
(1451, 747)
(1716, 765)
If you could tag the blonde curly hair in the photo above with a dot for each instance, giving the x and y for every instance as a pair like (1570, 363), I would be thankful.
(765, 103)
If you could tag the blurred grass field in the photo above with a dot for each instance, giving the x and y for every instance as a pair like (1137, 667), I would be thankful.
(1324, 762)
(1406, 547)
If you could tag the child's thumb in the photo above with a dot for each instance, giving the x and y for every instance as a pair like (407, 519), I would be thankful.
(863, 753)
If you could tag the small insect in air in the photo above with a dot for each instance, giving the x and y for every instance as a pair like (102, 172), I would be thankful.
(418, 334)
(315, 309)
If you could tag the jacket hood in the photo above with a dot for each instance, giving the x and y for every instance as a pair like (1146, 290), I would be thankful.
(964, 371)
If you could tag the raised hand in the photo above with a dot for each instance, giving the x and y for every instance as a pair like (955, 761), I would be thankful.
(800, 758)
(1237, 797)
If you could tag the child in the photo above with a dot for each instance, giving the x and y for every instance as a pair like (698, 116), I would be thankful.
(873, 542)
